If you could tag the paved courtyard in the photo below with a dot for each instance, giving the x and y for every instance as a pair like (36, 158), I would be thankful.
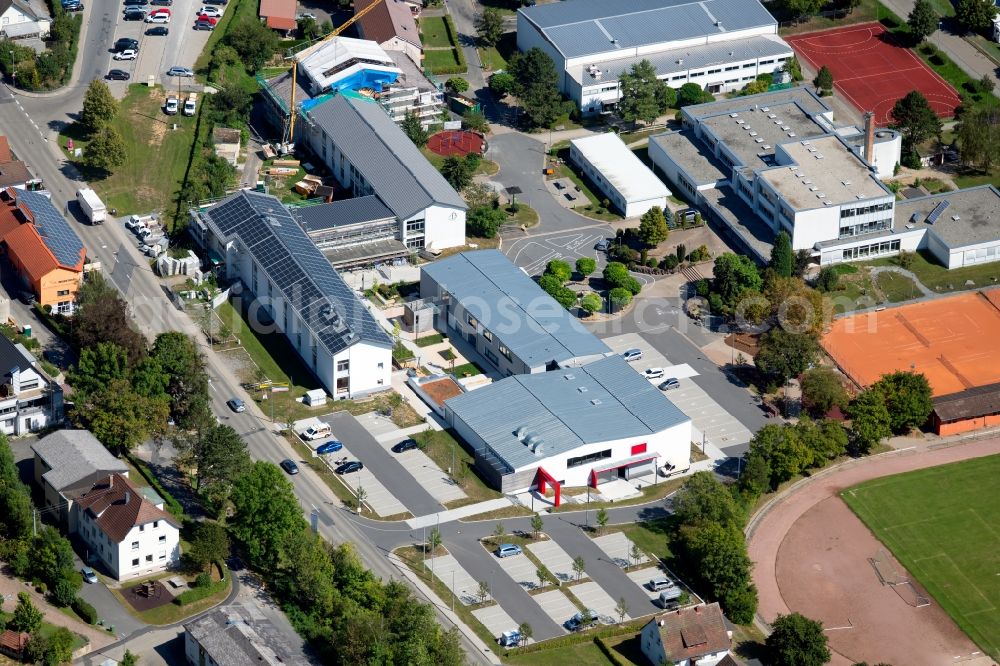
(593, 596)
(618, 548)
(423, 469)
(457, 579)
(555, 559)
(557, 605)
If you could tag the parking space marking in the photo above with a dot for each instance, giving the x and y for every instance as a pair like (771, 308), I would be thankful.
(377, 496)
(642, 576)
(495, 619)
(455, 578)
(555, 559)
(618, 547)
(557, 606)
(521, 569)
(430, 476)
(594, 597)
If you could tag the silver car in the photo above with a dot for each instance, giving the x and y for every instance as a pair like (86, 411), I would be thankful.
(632, 355)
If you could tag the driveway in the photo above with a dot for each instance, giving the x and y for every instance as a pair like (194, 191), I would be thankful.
(108, 607)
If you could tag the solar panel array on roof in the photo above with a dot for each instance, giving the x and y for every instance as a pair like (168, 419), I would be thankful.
(936, 213)
(298, 270)
(59, 237)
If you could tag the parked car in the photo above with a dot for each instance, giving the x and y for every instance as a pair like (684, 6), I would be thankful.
(510, 638)
(134, 15)
(73, 7)
(177, 70)
(329, 447)
(316, 431)
(405, 445)
(160, 10)
(350, 467)
(189, 106)
(669, 596)
(162, 3)
(289, 466)
(659, 583)
(305, 16)
(579, 623)
(158, 18)
(210, 11)
(669, 384)
(508, 549)
(203, 25)
(118, 75)
(126, 43)
(215, 2)
(158, 31)
(653, 373)
(602, 245)
(632, 355)
(127, 54)
(236, 405)
(172, 106)
(88, 575)
(204, 18)
(136, 3)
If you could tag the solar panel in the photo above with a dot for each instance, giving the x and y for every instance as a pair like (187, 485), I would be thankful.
(936, 213)
(55, 231)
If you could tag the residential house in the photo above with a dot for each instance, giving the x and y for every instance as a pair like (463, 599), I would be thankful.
(392, 25)
(692, 636)
(233, 636)
(124, 528)
(12, 643)
(44, 250)
(21, 19)
(64, 460)
(278, 15)
(29, 400)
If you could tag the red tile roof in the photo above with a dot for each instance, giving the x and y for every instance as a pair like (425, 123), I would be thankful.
(690, 633)
(393, 19)
(118, 506)
(5, 154)
(13, 641)
(12, 172)
(280, 14)
(18, 231)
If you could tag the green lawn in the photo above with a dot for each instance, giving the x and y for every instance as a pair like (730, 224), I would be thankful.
(443, 59)
(236, 11)
(447, 450)
(428, 340)
(156, 155)
(938, 278)
(941, 524)
(466, 370)
(580, 653)
(435, 32)
(897, 288)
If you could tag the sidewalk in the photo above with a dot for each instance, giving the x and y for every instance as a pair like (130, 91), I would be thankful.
(459, 513)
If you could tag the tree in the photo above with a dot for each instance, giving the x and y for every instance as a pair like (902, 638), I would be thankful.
(622, 609)
(560, 269)
(799, 8)
(308, 27)
(907, 397)
(64, 591)
(550, 284)
(433, 540)
(602, 519)
(26, 617)
(796, 307)
(828, 279)
(718, 554)
(824, 79)
(923, 20)
(979, 136)
(822, 390)
(536, 86)
(579, 566)
(755, 87)
(209, 543)
(129, 659)
(703, 499)
(793, 68)
(591, 303)
(413, 129)
(483, 591)
(784, 355)
(457, 171)
(543, 574)
(489, 26)
(692, 93)
(537, 523)
(635, 554)
(219, 455)
(484, 221)
(826, 439)
(975, 15)
(915, 120)
(499, 532)
(502, 84)
(585, 266)
(653, 227)
(179, 358)
(98, 366)
(99, 106)
(756, 476)
(456, 84)
(869, 420)
(267, 514)
(475, 121)
(795, 640)
(254, 41)
(106, 149)
(526, 632)
(120, 418)
(50, 649)
(734, 273)
(782, 257)
(639, 99)
(231, 104)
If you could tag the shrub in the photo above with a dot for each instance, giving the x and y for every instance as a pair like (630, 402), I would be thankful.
(619, 298)
(86, 612)
(199, 593)
(651, 262)
(202, 580)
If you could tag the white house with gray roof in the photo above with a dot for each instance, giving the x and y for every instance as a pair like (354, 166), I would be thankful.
(571, 427)
(493, 305)
(369, 154)
(721, 45)
(289, 285)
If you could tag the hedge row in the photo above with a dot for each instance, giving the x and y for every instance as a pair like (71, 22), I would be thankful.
(198, 593)
(620, 629)
(86, 612)
(173, 506)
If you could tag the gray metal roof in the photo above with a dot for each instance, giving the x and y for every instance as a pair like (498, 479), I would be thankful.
(601, 401)
(341, 213)
(392, 165)
(74, 455)
(977, 210)
(231, 637)
(583, 27)
(505, 300)
(296, 267)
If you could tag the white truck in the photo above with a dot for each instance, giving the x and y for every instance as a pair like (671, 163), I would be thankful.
(92, 206)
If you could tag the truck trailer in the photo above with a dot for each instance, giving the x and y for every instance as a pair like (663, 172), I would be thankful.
(92, 206)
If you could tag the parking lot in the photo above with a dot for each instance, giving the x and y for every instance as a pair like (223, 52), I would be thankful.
(642, 576)
(422, 468)
(618, 548)
(709, 417)
(496, 620)
(521, 569)
(451, 573)
(594, 597)
(557, 605)
(555, 559)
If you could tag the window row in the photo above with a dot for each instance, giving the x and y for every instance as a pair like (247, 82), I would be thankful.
(864, 210)
(873, 250)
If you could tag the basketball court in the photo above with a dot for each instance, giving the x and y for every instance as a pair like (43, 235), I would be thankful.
(872, 70)
(455, 142)
(953, 341)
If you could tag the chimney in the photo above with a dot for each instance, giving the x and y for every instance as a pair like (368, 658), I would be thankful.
(697, 610)
(870, 137)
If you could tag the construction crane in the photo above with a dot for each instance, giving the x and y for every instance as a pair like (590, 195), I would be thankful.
(295, 63)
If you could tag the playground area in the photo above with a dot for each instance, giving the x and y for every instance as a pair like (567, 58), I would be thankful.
(953, 341)
(456, 142)
(147, 594)
(872, 70)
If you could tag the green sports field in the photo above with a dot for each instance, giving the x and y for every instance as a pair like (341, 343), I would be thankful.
(943, 525)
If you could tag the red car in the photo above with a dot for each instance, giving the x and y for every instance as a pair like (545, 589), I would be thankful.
(204, 18)
(160, 10)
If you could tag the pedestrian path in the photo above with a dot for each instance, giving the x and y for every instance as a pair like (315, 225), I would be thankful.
(459, 513)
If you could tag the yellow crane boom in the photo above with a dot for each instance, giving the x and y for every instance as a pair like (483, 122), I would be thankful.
(295, 63)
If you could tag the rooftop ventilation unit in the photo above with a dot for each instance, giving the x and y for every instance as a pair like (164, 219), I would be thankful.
(771, 115)
(766, 147)
(521, 432)
(764, 109)
(785, 128)
(533, 440)
(845, 183)
(813, 188)
(595, 401)
(956, 218)
(819, 157)
(911, 226)
(759, 140)
(806, 143)
(581, 389)
(791, 134)
(569, 376)
(820, 195)
(811, 149)
(753, 133)
(680, 61)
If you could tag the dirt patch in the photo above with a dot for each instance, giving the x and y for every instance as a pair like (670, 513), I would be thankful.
(157, 131)
(158, 595)
(824, 572)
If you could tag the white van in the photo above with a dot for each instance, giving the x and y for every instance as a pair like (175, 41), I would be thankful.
(316, 431)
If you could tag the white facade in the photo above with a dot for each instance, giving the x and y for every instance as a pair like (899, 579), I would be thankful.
(327, 63)
(651, 644)
(22, 20)
(444, 227)
(147, 548)
(621, 176)
(28, 402)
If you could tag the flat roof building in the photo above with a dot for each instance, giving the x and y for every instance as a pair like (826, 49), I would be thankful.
(962, 228)
(719, 44)
(495, 306)
(353, 233)
(571, 427)
(621, 176)
(345, 63)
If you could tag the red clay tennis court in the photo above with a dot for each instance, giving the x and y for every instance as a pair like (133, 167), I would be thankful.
(954, 342)
(872, 70)
(455, 142)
